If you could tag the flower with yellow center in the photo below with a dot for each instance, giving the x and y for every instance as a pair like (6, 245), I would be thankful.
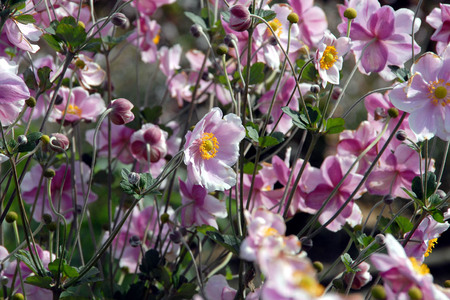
(329, 57)
(156, 39)
(308, 283)
(208, 146)
(421, 269)
(438, 92)
(431, 244)
(276, 26)
(74, 110)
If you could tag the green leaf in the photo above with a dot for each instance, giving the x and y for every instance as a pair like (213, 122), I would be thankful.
(252, 131)
(435, 200)
(93, 45)
(347, 260)
(279, 136)
(416, 185)
(16, 4)
(186, 291)
(393, 228)
(309, 73)
(25, 257)
(71, 32)
(404, 224)
(25, 19)
(196, 20)
(402, 74)
(205, 228)
(256, 73)
(267, 141)
(30, 79)
(335, 125)
(42, 282)
(363, 239)
(91, 276)
(149, 261)
(53, 42)
(296, 117)
(267, 14)
(437, 215)
(44, 78)
(152, 114)
(226, 16)
(229, 242)
(250, 167)
(32, 141)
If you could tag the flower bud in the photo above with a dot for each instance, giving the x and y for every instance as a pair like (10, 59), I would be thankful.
(337, 91)
(59, 142)
(120, 20)
(206, 76)
(393, 112)
(378, 292)
(135, 241)
(228, 40)
(447, 283)
(307, 243)
(121, 111)
(49, 173)
(318, 266)
(388, 199)
(51, 226)
(45, 139)
(315, 89)
(196, 30)
(350, 13)
(183, 231)
(134, 178)
(338, 284)
(415, 293)
(31, 102)
(4, 280)
(175, 237)
(380, 239)
(47, 219)
(222, 49)
(18, 296)
(401, 135)
(164, 218)
(360, 278)
(441, 194)
(59, 99)
(11, 217)
(272, 41)
(292, 18)
(240, 19)
(22, 139)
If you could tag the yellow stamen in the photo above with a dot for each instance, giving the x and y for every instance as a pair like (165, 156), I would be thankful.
(156, 39)
(208, 146)
(329, 57)
(270, 231)
(308, 283)
(431, 244)
(421, 269)
(276, 26)
(438, 92)
(74, 110)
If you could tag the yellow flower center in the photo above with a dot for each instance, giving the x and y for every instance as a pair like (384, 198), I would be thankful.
(308, 283)
(156, 39)
(329, 57)
(276, 26)
(431, 244)
(438, 92)
(421, 269)
(74, 110)
(270, 231)
(208, 146)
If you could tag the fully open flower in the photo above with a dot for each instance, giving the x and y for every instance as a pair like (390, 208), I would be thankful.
(20, 35)
(212, 148)
(439, 19)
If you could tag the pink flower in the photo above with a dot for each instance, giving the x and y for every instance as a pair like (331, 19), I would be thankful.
(89, 73)
(146, 38)
(61, 190)
(328, 59)
(20, 35)
(212, 148)
(59, 142)
(439, 19)
(217, 288)
(170, 60)
(401, 273)
(149, 140)
(13, 93)
(199, 208)
(361, 277)
(426, 96)
(81, 107)
(333, 170)
(121, 111)
(148, 7)
(382, 33)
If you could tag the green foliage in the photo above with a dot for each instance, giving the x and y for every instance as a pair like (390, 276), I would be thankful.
(334, 125)
(402, 74)
(44, 78)
(250, 167)
(417, 188)
(32, 141)
(196, 20)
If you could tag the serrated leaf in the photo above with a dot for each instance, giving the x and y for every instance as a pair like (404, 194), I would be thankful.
(42, 282)
(196, 20)
(250, 167)
(25, 257)
(296, 117)
(335, 125)
(434, 200)
(267, 141)
(347, 260)
(416, 185)
(279, 136)
(44, 78)
(71, 32)
(52, 42)
(252, 131)
(404, 224)
(393, 228)
(25, 19)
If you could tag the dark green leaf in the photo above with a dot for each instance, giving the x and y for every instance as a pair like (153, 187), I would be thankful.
(91, 276)
(93, 45)
(196, 20)
(267, 141)
(335, 125)
(152, 114)
(267, 15)
(71, 32)
(186, 291)
(44, 78)
(42, 282)
(229, 242)
(256, 73)
(33, 140)
(393, 228)
(296, 117)
(250, 167)
(402, 74)
(309, 73)
(205, 228)
(29, 79)
(25, 257)
(149, 261)
(404, 224)
(16, 4)
(278, 135)
(435, 200)
(53, 42)
(416, 185)
(25, 19)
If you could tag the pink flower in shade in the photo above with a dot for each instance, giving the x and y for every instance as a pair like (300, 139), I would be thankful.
(439, 19)
(361, 277)
(61, 190)
(217, 288)
(426, 96)
(312, 21)
(13, 92)
(170, 60)
(199, 208)
(149, 140)
(281, 100)
(120, 142)
(395, 171)
(121, 111)
(266, 231)
(212, 148)
(382, 33)
(20, 35)
(81, 106)
(328, 59)
(146, 38)
(148, 7)
(142, 225)
(401, 273)
(424, 238)
(333, 170)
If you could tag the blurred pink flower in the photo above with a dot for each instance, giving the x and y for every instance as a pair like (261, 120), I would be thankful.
(81, 107)
(149, 140)
(439, 19)
(61, 190)
(89, 73)
(13, 93)
(199, 208)
(146, 37)
(361, 278)
(148, 7)
(426, 96)
(328, 59)
(170, 60)
(382, 33)
(217, 288)
(20, 35)
(212, 148)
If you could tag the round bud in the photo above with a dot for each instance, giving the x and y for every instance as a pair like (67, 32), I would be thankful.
(307, 243)
(135, 241)
(11, 217)
(304, 50)
(47, 218)
(240, 19)
(378, 292)
(292, 18)
(196, 30)
(358, 227)
(388, 199)
(49, 173)
(4, 280)
(18, 296)
(164, 218)
(315, 89)
(175, 237)
(51, 226)
(272, 41)
(318, 266)
(379, 113)
(45, 139)
(380, 239)
(228, 40)
(22, 139)
(59, 142)
(336, 93)
(80, 64)
(401, 135)
(441, 194)
(415, 293)
(350, 13)
(134, 178)
(80, 23)
(31, 102)
(338, 284)
(121, 111)
(206, 76)
(447, 283)
(58, 100)
(120, 20)
(393, 112)
(222, 49)
(183, 231)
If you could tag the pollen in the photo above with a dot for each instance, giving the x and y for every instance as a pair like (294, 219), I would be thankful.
(270, 232)
(438, 92)
(276, 26)
(329, 57)
(421, 269)
(74, 110)
(308, 283)
(431, 244)
(208, 146)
